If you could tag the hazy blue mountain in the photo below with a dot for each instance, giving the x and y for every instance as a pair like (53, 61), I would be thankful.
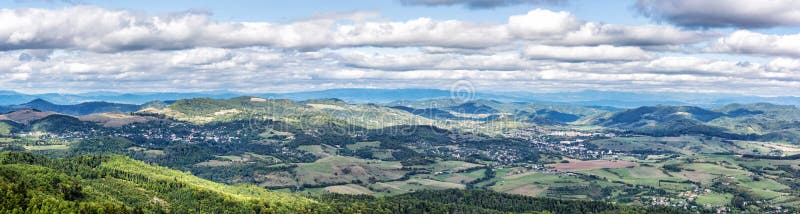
(11, 98)
(356, 95)
(364, 95)
(473, 108)
(602, 99)
(349, 95)
(77, 109)
(632, 100)
(140, 98)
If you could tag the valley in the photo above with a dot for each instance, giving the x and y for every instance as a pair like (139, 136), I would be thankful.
(688, 158)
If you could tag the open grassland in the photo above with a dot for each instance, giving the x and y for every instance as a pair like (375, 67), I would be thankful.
(449, 166)
(686, 144)
(536, 182)
(714, 199)
(342, 169)
(411, 185)
(646, 176)
(362, 145)
(581, 165)
(461, 178)
(715, 169)
(544, 184)
(47, 147)
(350, 189)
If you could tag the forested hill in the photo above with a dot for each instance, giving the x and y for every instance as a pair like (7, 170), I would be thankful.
(114, 184)
(476, 201)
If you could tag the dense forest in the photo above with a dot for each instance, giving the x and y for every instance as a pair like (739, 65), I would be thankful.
(475, 201)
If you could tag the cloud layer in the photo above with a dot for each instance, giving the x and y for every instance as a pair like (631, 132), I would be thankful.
(261, 70)
(585, 53)
(97, 29)
(748, 42)
(86, 48)
(101, 30)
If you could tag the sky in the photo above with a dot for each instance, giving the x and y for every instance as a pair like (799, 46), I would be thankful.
(729, 46)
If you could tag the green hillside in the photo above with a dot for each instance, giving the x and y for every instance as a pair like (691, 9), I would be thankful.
(760, 121)
(7, 127)
(774, 122)
(118, 184)
(521, 111)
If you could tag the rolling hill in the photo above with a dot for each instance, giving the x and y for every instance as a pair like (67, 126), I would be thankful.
(25, 116)
(735, 121)
(102, 184)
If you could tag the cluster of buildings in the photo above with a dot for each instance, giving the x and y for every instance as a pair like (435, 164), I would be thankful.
(173, 133)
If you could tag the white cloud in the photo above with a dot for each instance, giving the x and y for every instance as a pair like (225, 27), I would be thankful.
(539, 23)
(102, 30)
(748, 42)
(262, 70)
(723, 13)
(563, 28)
(700, 66)
(785, 65)
(199, 69)
(200, 56)
(89, 48)
(638, 35)
(97, 29)
(421, 32)
(418, 61)
(585, 53)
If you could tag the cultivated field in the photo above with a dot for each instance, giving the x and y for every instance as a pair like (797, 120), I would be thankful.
(581, 165)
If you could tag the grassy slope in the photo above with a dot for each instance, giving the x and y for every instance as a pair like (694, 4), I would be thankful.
(120, 183)
(5, 128)
(236, 192)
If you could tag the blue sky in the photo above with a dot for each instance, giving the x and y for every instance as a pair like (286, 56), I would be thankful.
(745, 46)
(285, 11)
(610, 11)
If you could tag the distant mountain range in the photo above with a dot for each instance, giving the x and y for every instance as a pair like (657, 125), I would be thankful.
(11, 97)
(760, 121)
(77, 109)
(582, 98)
